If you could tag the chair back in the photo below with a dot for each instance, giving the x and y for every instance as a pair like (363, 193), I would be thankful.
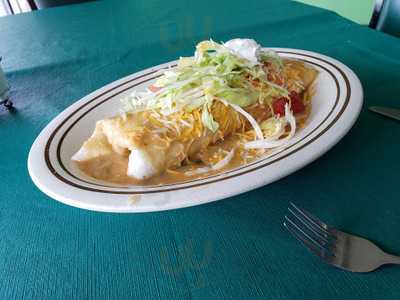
(386, 17)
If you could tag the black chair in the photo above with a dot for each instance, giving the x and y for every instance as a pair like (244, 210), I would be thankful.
(51, 3)
(386, 17)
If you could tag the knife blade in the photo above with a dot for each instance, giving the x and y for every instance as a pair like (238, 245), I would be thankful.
(386, 111)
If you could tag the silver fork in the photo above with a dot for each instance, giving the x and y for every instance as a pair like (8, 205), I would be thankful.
(343, 250)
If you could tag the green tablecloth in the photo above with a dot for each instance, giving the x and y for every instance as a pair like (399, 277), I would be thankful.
(235, 248)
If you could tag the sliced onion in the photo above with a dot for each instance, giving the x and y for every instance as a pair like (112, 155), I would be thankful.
(219, 165)
(248, 116)
(272, 143)
(198, 171)
(223, 162)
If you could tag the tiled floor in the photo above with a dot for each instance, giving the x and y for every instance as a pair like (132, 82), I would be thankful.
(2, 10)
(18, 6)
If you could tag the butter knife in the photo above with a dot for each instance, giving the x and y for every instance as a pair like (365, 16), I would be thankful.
(386, 111)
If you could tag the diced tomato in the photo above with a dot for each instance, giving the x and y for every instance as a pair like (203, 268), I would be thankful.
(154, 88)
(297, 103)
(255, 82)
(279, 106)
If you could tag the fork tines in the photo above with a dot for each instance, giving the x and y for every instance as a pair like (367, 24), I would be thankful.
(313, 233)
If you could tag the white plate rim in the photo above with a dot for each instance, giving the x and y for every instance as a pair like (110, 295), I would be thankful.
(346, 119)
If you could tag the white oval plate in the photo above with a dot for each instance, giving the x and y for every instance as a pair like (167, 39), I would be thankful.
(336, 105)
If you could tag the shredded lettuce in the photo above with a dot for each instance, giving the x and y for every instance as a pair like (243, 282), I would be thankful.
(239, 96)
(208, 120)
(214, 72)
(271, 56)
(274, 142)
(273, 127)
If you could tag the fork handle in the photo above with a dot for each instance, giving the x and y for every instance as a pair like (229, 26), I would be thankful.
(391, 259)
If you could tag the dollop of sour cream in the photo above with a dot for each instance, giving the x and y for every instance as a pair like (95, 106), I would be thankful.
(246, 48)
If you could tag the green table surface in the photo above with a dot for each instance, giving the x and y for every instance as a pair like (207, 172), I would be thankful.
(236, 248)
